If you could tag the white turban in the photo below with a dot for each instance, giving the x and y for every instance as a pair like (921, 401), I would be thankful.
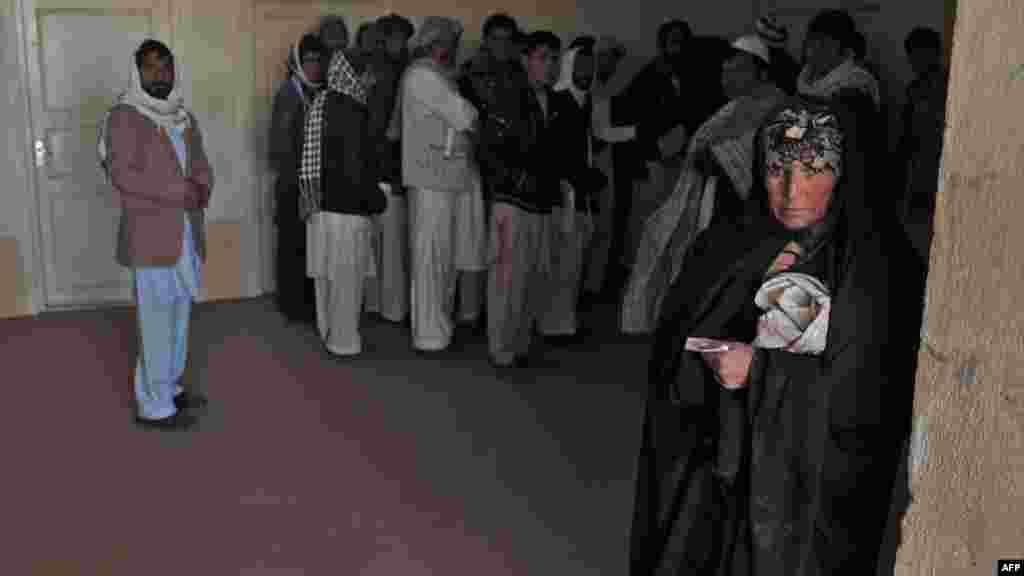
(436, 30)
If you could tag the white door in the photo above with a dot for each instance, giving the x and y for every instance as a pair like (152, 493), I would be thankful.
(79, 53)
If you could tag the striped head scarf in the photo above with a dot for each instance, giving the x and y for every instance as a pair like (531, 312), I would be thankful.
(341, 79)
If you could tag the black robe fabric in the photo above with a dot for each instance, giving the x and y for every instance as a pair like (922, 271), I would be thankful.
(872, 125)
(570, 136)
(350, 170)
(295, 292)
(793, 474)
(387, 71)
(784, 70)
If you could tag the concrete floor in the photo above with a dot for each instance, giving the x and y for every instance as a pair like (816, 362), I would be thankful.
(390, 464)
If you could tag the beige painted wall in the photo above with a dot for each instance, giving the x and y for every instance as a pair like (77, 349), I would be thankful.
(968, 478)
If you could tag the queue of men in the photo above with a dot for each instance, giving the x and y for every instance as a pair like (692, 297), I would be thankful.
(508, 193)
(516, 189)
(478, 185)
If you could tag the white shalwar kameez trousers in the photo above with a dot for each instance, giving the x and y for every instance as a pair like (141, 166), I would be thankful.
(517, 280)
(339, 258)
(163, 299)
(570, 231)
(388, 292)
(471, 250)
(432, 250)
(571, 225)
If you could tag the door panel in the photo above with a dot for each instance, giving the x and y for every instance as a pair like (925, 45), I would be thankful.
(80, 55)
(278, 25)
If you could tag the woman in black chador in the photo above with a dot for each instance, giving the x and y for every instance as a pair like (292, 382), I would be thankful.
(781, 378)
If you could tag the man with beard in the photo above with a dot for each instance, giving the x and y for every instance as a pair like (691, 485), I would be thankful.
(339, 197)
(656, 103)
(833, 71)
(388, 292)
(152, 152)
(493, 80)
(572, 221)
(435, 168)
(519, 267)
(498, 55)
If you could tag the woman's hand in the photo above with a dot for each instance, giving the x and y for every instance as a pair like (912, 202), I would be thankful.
(732, 367)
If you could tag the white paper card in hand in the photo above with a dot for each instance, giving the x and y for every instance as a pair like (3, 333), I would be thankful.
(706, 345)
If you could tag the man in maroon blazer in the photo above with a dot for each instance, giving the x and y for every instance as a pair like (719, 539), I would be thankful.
(152, 152)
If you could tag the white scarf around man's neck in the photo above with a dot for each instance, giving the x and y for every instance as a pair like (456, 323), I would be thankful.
(169, 114)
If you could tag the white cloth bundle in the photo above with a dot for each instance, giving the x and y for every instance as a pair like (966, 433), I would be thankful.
(796, 314)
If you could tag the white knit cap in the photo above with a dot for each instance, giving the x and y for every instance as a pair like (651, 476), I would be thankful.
(753, 45)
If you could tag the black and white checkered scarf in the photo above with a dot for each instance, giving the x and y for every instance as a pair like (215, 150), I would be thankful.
(341, 78)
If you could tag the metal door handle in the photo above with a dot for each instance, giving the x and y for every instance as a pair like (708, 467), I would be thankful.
(42, 154)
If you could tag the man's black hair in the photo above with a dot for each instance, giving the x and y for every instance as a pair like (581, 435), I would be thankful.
(149, 46)
(395, 24)
(310, 44)
(666, 29)
(542, 38)
(499, 21)
(585, 44)
(838, 25)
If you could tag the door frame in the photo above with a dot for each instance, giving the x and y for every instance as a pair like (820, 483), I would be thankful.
(35, 237)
